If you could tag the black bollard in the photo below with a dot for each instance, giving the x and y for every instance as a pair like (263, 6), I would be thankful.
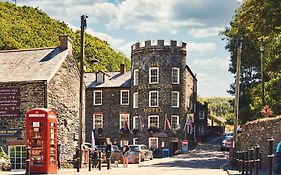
(78, 159)
(247, 162)
(108, 161)
(257, 147)
(27, 161)
(239, 161)
(243, 162)
(99, 159)
(90, 159)
(270, 155)
(251, 152)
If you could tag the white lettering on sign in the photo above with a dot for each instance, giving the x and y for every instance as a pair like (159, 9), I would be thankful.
(36, 115)
(52, 116)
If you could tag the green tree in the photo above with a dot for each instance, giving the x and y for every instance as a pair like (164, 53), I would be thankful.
(256, 20)
(28, 27)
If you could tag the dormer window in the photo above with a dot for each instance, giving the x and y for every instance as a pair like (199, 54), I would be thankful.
(102, 76)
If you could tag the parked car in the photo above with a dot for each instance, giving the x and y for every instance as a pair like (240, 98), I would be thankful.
(133, 157)
(226, 142)
(142, 151)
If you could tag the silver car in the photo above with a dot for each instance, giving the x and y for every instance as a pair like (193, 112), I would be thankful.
(142, 151)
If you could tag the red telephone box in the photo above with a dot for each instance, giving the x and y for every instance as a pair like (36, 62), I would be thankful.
(41, 137)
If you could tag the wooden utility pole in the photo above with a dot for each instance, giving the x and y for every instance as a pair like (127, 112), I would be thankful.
(237, 93)
(262, 73)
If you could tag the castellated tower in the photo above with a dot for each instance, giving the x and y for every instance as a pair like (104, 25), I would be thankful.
(159, 90)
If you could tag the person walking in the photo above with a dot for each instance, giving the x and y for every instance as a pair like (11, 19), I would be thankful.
(125, 153)
(108, 152)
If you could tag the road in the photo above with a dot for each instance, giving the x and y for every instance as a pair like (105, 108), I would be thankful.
(205, 159)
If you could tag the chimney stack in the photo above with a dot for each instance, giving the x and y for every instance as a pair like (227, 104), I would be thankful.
(66, 43)
(122, 68)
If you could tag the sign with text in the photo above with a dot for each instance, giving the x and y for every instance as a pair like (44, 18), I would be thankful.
(10, 133)
(9, 102)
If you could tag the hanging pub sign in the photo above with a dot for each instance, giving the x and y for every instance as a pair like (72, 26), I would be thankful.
(9, 102)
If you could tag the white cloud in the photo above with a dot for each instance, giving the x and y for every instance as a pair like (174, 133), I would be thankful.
(205, 32)
(117, 44)
(214, 63)
(143, 16)
(209, 83)
(201, 48)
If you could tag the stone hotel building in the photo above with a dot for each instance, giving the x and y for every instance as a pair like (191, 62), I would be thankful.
(153, 104)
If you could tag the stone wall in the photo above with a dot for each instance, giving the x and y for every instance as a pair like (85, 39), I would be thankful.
(110, 110)
(32, 95)
(63, 97)
(258, 132)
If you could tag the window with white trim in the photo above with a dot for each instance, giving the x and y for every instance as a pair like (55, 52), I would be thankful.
(175, 121)
(136, 122)
(153, 121)
(201, 115)
(124, 97)
(175, 99)
(136, 77)
(175, 75)
(153, 142)
(153, 75)
(124, 121)
(97, 97)
(136, 100)
(97, 121)
(17, 155)
(153, 98)
(135, 141)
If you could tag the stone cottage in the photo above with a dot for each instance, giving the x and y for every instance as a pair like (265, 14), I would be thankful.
(38, 78)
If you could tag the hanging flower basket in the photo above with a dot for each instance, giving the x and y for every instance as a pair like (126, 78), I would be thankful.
(152, 130)
(124, 130)
(100, 131)
(135, 131)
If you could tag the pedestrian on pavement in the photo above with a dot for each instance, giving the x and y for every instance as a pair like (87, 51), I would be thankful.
(125, 153)
(108, 152)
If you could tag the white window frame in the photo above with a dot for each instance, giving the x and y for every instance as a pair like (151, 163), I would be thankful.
(157, 76)
(121, 99)
(149, 117)
(94, 120)
(157, 100)
(135, 141)
(178, 121)
(201, 115)
(136, 124)
(136, 100)
(136, 77)
(178, 75)
(17, 154)
(149, 141)
(178, 99)
(97, 91)
(120, 121)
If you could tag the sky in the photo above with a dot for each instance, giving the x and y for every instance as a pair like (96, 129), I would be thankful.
(124, 22)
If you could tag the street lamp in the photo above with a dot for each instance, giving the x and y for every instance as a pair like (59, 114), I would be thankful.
(81, 99)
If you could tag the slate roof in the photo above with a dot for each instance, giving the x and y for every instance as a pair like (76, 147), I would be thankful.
(30, 64)
(115, 80)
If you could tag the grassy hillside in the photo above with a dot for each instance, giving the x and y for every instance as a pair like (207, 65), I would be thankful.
(28, 27)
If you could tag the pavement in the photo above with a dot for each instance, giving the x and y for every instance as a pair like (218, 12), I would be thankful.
(206, 159)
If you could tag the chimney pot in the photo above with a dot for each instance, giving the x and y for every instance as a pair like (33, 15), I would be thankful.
(122, 68)
(65, 43)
